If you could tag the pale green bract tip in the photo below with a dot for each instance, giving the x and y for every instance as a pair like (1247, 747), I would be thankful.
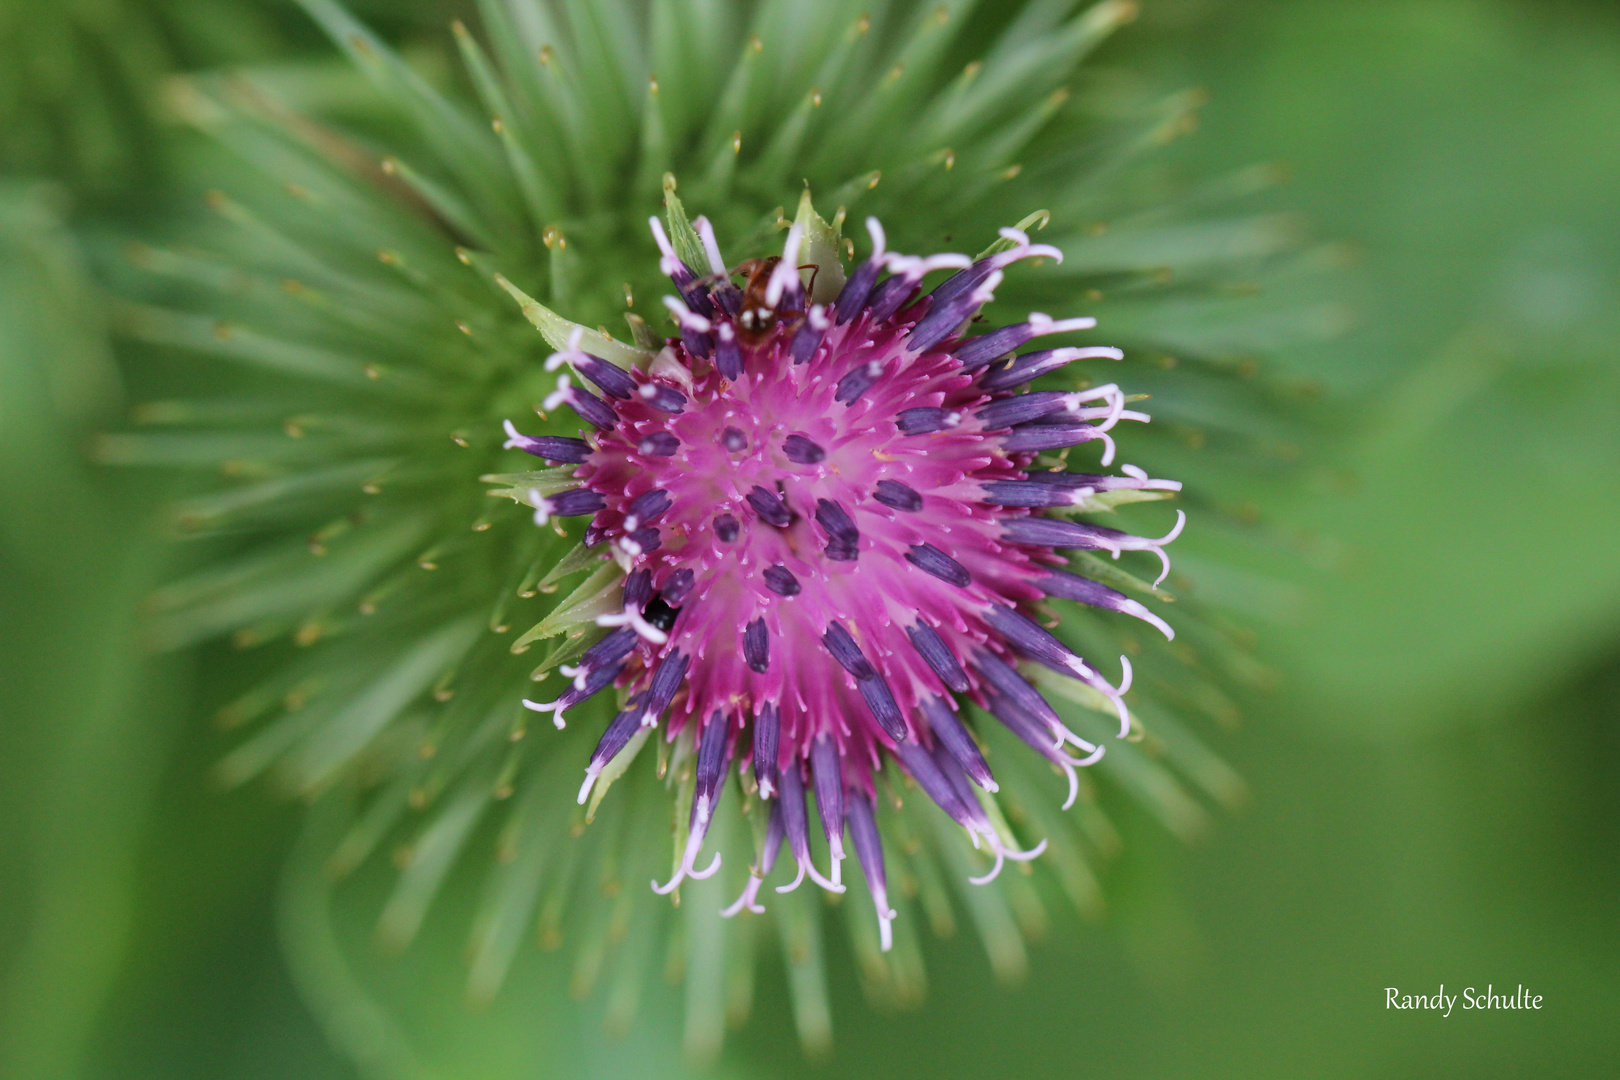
(559, 332)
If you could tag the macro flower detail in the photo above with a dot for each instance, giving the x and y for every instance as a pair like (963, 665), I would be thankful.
(814, 571)
(824, 495)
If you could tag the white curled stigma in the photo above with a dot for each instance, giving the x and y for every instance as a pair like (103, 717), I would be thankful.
(748, 900)
(1139, 543)
(1110, 414)
(1069, 765)
(1145, 482)
(1063, 736)
(555, 707)
(808, 867)
(1093, 752)
(979, 825)
(1119, 695)
(1115, 545)
(1115, 695)
(1002, 853)
(571, 355)
(632, 618)
(515, 439)
(1023, 249)
(694, 843)
(1108, 448)
(577, 674)
(1135, 479)
(886, 916)
(797, 878)
(1131, 607)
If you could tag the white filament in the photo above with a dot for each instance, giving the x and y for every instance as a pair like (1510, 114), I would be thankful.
(1042, 324)
(590, 778)
(689, 319)
(916, 267)
(1023, 249)
(632, 618)
(886, 915)
(787, 271)
(558, 396)
(669, 262)
(542, 506)
(705, 231)
(570, 355)
(986, 291)
(515, 438)
(874, 228)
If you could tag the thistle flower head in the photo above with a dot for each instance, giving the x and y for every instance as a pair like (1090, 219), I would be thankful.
(812, 557)
(823, 496)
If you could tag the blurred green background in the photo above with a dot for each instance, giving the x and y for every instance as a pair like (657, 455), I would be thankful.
(1434, 781)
